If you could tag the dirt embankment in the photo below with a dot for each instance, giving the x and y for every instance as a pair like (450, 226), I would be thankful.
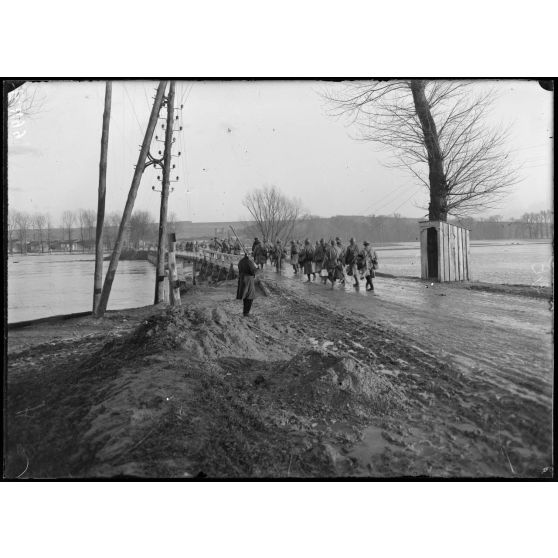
(297, 390)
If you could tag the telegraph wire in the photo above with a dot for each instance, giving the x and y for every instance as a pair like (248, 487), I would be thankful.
(401, 205)
(379, 201)
(133, 109)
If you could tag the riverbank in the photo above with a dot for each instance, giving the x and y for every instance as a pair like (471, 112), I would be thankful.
(303, 388)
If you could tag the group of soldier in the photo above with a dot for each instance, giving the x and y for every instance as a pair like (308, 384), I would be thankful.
(227, 246)
(331, 261)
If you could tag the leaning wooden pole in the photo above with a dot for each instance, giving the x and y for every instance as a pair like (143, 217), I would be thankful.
(98, 281)
(174, 287)
(140, 167)
(167, 165)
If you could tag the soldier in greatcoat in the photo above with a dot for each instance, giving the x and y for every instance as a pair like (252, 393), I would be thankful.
(294, 256)
(306, 258)
(246, 290)
(371, 265)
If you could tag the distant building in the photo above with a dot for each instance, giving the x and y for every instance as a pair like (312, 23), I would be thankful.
(69, 245)
(34, 246)
(86, 245)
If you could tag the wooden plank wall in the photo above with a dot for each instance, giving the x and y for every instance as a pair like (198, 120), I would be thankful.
(447, 253)
(423, 254)
(459, 253)
(453, 251)
(463, 255)
(442, 252)
(440, 259)
(468, 256)
(447, 275)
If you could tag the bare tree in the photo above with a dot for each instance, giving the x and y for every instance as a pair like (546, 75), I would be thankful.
(275, 214)
(141, 227)
(48, 225)
(82, 219)
(529, 220)
(435, 130)
(90, 221)
(13, 218)
(39, 221)
(68, 220)
(23, 102)
(550, 217)
(24, 222)
(496, 218)
(112, 222)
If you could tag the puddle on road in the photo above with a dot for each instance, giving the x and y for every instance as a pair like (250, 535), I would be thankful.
(341, 428)
(372, 444)
(392, 373)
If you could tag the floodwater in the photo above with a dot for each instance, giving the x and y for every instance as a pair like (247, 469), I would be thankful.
(46, 285)
(515, 262)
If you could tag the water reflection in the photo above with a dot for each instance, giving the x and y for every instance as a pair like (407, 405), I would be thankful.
(47, 285)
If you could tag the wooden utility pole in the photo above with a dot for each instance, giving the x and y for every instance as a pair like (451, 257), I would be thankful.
(140, 167)
(98, 282)
(167, 165)
(174, 289)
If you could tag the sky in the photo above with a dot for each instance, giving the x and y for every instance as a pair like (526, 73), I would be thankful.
(242, 135)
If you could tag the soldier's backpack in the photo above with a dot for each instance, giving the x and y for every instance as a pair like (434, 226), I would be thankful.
(360, 260)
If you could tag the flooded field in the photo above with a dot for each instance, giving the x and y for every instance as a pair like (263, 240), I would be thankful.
(47, 285)
(518, 262)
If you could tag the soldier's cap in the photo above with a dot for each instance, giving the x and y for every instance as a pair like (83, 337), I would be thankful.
(337, 238)
(366, 243)
(351, 239)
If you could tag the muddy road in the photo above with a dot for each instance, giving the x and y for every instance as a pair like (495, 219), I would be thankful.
(505, 340)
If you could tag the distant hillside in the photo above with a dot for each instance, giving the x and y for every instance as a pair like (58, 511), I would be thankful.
(188, 230)
(374, 229)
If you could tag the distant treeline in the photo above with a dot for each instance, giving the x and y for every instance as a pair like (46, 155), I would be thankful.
(395, 228)
(36, 233)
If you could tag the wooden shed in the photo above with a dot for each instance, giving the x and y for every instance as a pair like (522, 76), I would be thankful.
(444, 251)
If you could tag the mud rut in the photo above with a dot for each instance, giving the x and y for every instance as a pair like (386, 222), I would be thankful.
(476, 373)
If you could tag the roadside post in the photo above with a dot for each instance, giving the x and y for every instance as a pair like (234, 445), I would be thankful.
(174, 290)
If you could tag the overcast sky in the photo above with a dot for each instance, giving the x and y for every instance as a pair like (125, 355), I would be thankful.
(239, 136)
